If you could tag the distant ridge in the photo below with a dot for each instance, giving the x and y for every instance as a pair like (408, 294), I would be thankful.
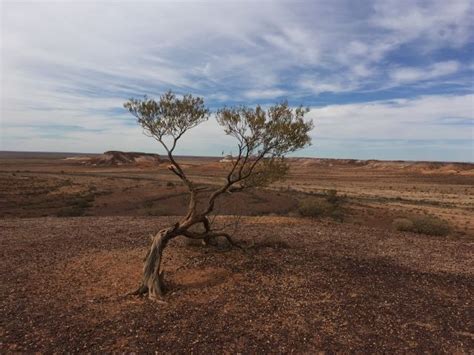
(424, 167)
(118, 158)
(8, 154)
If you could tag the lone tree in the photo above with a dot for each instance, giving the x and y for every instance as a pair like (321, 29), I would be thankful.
(263, 138)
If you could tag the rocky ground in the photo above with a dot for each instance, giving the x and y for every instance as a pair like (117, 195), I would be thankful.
(299, 286)
(374, 192)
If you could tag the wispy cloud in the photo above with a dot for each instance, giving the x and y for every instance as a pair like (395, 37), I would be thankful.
(425, 117)
(414, 74)
(264, 94)
(73, 63)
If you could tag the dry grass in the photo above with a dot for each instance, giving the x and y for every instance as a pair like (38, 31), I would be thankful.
(423, 225)
(327, 206)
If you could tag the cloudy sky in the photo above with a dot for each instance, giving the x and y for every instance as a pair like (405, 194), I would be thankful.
(384, 79)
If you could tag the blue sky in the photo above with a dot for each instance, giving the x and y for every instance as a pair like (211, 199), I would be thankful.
(384, 79)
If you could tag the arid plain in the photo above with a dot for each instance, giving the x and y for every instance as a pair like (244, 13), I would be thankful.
(74, 232)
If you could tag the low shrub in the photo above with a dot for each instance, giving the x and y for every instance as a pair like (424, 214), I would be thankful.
(71, 212)
(337, 214)
(82, 202)
(148, 204)
(403, 224)
(429, 225)
(313, 207)
(332, 197)
(317, 207)
(89, 198)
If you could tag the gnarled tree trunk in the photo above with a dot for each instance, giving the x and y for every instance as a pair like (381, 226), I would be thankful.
(152, 282)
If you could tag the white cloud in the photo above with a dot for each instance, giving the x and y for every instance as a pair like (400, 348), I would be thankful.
(427, 128)
(421, 118)
(320, 87)
(438, 21)
(72, 63)
(362, 70)
(264, 94)
(412, 74)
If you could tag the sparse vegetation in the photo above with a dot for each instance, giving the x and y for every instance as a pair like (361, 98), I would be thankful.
(332, 197)
(321, 260)
(148, 204)
(429, 225)
(74, 211)
(328, 206)
(82, 202)
(403, 224)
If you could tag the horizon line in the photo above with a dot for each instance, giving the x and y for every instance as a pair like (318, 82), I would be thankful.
(220, 156)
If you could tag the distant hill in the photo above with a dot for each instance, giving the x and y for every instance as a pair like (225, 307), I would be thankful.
(424, 167)
(118, 158)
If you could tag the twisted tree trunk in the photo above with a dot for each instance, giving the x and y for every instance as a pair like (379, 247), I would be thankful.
(152, 281)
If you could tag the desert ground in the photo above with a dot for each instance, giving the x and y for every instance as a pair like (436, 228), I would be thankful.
(75, 228)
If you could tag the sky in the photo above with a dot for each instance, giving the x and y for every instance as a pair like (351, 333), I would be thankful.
(389, 79)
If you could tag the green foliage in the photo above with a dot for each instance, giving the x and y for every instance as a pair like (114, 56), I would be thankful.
(264, 137)
(170, 116)
(267, 172)
(275, 132)
(429, 225)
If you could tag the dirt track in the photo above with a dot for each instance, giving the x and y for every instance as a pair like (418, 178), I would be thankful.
(300, 286)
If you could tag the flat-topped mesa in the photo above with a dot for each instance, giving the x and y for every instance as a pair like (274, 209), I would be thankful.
(118, 158)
